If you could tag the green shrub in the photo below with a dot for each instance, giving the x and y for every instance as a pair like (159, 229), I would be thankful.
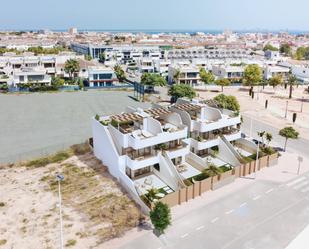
(3, 242)
(2, 204)
(70, 242)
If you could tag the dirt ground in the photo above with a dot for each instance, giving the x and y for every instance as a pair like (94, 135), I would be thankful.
(95, 209)
(277, 101)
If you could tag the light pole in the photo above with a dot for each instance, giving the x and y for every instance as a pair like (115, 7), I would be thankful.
(302, 103)
(60, 178)
(286, 109)
(257, 158)
(300, 159)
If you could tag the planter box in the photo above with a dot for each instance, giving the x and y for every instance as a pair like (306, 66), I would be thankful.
(272, 160)
(171, 199)
(223, 182)
(196, 189)
(263, 162)
(205, 185)
(189, 193)
(182, 195)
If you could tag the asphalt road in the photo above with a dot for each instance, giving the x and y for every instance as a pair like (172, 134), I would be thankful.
(300, 145)
(40, 123)
(265, 215)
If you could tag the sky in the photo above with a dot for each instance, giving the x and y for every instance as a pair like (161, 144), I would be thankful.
(155, 14)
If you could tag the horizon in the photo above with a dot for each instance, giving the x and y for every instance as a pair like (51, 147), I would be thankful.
(195, 15)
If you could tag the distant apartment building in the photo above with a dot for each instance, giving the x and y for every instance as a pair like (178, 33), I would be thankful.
(146, 65)
(228, 72)
(270, 71)
(123, 53)
(184, 73)
(299, 68)
(29, 75)
(101, 76)
(161, 66)
(204, 53)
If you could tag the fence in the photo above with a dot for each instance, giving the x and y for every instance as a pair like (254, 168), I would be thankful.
(37, 153)
(200, 187)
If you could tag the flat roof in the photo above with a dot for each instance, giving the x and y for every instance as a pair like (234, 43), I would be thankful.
(188, 107)
(157, 111)
(126, 117)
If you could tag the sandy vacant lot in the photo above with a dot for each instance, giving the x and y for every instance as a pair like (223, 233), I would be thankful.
(95, 208)
(275, 113)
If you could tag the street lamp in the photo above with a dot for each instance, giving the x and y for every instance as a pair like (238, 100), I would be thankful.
(60, 178)
(257, 158)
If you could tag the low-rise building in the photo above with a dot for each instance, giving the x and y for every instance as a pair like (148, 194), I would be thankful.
(228, 71)
(101, 76)
(184, 73)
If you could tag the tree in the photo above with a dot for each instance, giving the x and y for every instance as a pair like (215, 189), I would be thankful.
(270, 47)
(223, 82)
(182, 90)
(227, 102)
(276, 80)
(88, 57)
(252, 75)
(176, 75)
(292, 80)
(212, 170)
(71, 66)
(285, 49)
(268, 137)
(119, 73)
(288, 133)
(206, 77)
(149, 79)
(102, 57)
(302, 53)
(261, 135)
(57, 82)
(160, 216)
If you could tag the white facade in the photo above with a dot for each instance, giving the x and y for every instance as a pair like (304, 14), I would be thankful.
(228, 71)
(161, 147)
(101, 76)
(187, 74)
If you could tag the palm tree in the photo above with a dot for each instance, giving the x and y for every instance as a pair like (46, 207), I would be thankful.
(212, 170)
(292, 80)
(71, 66)
(261, 135)
(288, 132)
(269, 137)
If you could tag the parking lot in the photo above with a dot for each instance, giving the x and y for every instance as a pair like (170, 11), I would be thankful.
(39, 123)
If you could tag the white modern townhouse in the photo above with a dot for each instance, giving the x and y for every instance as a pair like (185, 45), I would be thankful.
(140, 147)
(101, 76)
(146, 65)
(228, 71)
(270, 71)
(163, 147)
(161, 66)
(299, 68)
(184, 73)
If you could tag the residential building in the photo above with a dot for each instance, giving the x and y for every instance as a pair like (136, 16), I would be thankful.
(162, 147)
(146, 65)
(228, 71)
(269, 71)
(185, 72)
(101, 76)
(30, 75)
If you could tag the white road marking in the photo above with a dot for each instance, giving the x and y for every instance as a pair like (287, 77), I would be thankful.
(199, 228)
(269, 190)
(184, 235)
(244, 204)
(296, 181)
(230, 211)
(256, 197)
(214, 220)
(301, 185)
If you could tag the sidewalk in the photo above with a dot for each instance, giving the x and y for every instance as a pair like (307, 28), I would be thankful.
(285, 171)
(301, 241)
